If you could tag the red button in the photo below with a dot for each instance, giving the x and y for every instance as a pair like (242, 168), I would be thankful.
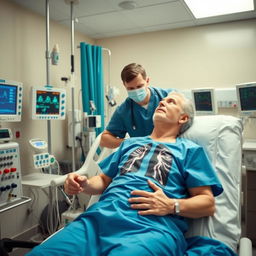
(13, 169)
(6, 170)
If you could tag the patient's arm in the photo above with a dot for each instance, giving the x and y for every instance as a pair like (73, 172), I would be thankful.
(200, 204)
(109, 140)
(75, 184)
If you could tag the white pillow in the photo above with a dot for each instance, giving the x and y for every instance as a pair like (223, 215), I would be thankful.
(221, 137)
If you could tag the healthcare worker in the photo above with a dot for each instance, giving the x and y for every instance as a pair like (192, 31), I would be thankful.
(134, 115)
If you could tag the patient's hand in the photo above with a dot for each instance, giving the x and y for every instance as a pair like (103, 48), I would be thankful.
(75, 184)
(156, 203)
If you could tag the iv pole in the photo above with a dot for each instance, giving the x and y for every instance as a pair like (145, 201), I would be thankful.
(72, 2)
(72, 24)
(48, 59)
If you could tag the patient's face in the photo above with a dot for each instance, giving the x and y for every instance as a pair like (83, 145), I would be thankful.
(170, 109)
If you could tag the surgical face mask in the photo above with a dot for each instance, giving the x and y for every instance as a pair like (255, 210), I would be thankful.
(138, 95)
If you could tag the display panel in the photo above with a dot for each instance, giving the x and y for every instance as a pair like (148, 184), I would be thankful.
(246, 94)
(5, 134)
(204, 101)
(48, 103)
(10, 101)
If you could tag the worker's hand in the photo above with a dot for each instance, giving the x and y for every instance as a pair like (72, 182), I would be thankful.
(75, 184)
(156, 203)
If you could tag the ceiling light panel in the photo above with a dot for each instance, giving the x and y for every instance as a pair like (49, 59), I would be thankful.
(210, 8)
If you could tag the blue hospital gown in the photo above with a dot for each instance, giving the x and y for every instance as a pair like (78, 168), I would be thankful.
(110, 227)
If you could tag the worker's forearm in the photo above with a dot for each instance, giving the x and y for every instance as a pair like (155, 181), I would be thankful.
(109, 141)
(197, 206)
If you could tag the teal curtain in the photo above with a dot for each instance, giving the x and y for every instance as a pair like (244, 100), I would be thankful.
(92, 80)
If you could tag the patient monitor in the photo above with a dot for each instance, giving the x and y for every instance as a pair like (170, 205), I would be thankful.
(48, 103)
(10, 101)
(204, 101)
(246, 95)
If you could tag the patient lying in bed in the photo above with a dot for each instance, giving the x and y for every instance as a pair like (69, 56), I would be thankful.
(150, 186)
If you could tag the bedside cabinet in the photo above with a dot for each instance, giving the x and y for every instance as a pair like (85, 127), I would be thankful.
(250, 206)
(249, 160)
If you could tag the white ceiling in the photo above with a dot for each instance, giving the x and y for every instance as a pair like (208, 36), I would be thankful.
(104, 18)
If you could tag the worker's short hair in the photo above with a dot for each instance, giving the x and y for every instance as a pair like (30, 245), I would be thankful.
(131, 71)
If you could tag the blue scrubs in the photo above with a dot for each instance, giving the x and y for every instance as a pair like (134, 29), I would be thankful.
(110, 227)
(130, 114)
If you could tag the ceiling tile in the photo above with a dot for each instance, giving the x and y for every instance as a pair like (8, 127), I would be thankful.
(104, 18)
(160, 14)
(107, 22)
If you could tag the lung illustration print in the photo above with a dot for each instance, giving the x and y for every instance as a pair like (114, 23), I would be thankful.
(160, 164)
(135, 158)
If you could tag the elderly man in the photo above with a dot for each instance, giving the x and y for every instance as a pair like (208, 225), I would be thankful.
(149, 187)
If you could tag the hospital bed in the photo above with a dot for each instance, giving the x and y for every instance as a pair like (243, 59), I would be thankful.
(221, 137)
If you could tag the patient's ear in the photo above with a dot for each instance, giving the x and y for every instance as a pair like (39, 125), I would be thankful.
(183, 118)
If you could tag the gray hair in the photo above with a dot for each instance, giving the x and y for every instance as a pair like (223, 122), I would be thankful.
(188, 109)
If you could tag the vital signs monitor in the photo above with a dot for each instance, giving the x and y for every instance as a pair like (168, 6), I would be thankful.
(48, 103)
(10, 101)
(246, 95)
(204, 101)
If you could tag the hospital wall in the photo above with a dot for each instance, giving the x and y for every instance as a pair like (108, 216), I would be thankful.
(22, 58)
(218, 55)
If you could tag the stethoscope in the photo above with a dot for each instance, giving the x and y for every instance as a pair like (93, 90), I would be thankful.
(132, 112)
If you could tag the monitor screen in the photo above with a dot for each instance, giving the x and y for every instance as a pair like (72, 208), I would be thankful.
(48, 103)
(39, 143)
(10, 101)
(204, 101)
(247, 98)
(5, 133)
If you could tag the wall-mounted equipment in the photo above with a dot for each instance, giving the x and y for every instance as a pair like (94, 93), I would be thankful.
(48, 103)
(5, 135)
(246, 94)
(41, 158)
(10, 174)
(204, 101)
(93, 121)
(10, 101)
